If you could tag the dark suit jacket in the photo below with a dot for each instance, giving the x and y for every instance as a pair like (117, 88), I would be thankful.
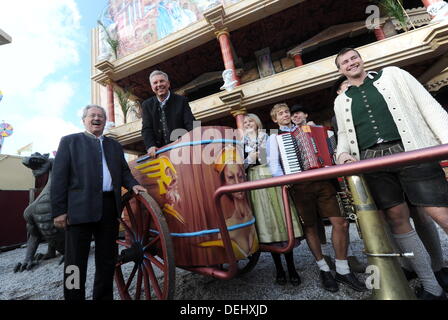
(77, 180)
(178, 115)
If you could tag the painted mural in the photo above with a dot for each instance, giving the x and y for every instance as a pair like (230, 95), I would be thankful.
(134, 24)
(185, 189)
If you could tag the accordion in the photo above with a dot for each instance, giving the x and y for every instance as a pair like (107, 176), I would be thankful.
(305, 148)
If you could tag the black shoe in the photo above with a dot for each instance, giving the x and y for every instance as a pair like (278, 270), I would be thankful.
(328, 282)
(281, 278)
(351, 281)
(422, 294)
(294, 278)
(409, 274)
(355, 265)
(442, 278)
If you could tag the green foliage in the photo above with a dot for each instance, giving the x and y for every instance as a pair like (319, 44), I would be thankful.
(394, 9)
(123, 100)
(112, 42)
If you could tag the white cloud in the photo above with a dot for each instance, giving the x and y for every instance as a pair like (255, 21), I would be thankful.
(60, 94)
(44, 39)
(43, 131)
(45, 42)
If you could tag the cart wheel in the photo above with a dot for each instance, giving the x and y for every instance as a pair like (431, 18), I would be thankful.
(246, 265)
(148, 253)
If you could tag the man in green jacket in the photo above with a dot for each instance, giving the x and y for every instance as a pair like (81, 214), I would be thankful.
(387, 112)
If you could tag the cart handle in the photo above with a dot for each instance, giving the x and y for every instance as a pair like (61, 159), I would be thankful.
(396, 160)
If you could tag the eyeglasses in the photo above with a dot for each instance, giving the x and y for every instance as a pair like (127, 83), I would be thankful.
(94, 115)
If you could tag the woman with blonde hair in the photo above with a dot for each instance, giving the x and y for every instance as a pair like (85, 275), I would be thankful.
(267, 203)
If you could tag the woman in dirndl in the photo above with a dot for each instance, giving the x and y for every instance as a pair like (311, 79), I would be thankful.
(267, 203)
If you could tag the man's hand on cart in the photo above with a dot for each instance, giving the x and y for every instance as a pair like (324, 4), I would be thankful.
(138, 189)
(152, 152)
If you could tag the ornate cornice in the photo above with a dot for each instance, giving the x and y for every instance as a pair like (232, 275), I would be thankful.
(239, 112)
(221, 32)
(215, 17)
(107, 69)
(436, 86)
(233, 99)
(418, 17)
(438, 82)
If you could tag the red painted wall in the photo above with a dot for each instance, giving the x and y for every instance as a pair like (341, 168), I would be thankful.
(12, 223)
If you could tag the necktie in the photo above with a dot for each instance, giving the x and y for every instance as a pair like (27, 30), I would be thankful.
(163, 122)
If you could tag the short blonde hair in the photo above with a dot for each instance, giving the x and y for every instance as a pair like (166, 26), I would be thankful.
(276, 108)
(256, 119)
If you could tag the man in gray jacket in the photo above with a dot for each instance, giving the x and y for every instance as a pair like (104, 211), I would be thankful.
(387, 112)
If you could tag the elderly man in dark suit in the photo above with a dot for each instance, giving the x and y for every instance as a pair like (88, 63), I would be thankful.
(88, 173)
(163, 113)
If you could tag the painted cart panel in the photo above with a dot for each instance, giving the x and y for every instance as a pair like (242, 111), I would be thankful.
(183, 178)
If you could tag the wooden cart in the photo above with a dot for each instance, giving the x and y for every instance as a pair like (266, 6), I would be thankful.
(196, 214)
(179, 223)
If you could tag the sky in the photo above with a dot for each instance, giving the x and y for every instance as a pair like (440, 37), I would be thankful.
(45, 70)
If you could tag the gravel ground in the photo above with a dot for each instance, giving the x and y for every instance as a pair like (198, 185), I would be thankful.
(45, 281)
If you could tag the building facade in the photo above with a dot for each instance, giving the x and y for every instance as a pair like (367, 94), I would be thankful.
(279, 51)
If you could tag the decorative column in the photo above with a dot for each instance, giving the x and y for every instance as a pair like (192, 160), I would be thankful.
(234, 100)
(215, 17)
(110, 103)
(239, 117)
(437, 9)
(296, 54)
(223, 37)
(105, 78)
(298, 60)
(379, 33)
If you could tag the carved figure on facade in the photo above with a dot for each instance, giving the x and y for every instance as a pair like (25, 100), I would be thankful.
(229, 82)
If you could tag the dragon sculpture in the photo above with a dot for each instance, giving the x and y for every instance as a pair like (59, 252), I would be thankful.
(39, 222)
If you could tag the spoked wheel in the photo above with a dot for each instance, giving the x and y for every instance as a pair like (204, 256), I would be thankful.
(146, 265)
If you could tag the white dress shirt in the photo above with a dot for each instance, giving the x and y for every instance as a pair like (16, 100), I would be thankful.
(163, 103)
(107, 178)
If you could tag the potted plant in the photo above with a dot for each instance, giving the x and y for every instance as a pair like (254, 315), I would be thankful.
(124, 102)
(394, 10)
(113, 43)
